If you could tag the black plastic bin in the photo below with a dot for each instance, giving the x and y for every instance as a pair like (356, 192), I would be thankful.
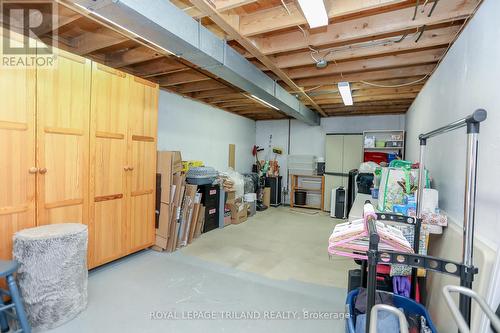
(300, 198)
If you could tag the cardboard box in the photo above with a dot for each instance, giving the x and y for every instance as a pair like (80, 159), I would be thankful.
(172, 235)
(231, 197)
(167, 164)
(160, 243)
(176, 162)
(187, 214)
(194, 222)
(266, 199)
(238, 213)
(163, 229)
(178, 182)
(201, 222)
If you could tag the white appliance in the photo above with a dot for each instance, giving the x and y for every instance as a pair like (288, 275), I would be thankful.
(343, 152)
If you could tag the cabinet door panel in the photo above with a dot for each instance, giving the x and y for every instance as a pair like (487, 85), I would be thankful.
(353, 152)
(142, 231)
(109, 199)
(142, 157)
(110, 160)
(143, 106)
(110, 98)
(142, 189)
(17, 148)
(108, 144)
(63, 111)
(110, 231)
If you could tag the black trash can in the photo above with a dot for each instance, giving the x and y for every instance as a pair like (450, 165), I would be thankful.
(300, 198)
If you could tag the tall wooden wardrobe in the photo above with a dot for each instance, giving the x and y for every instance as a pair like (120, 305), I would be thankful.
(123, 163)
(78, 144)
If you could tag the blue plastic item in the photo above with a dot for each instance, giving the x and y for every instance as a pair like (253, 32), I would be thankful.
(407, 304)
(400, 209)
(391, 157)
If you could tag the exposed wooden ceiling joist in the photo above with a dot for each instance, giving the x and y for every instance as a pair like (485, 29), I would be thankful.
(398, 60)
(223, 5)
(181, 77)
(365, 113)
(132, 56)
(387, 103)
(388, 83)
(95, 40)
(368, 76)
(199, 86)
(369, 98)
(370, 92)
(401, 43)
(212, 93)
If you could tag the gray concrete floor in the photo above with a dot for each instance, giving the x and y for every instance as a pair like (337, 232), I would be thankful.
(269, 274)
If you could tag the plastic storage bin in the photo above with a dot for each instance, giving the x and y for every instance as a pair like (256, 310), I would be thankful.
(375, 157)
(302, 172)
(309, 183)
(301, 164)
(300, 198)
(408, 305)
(313, 199)
(391, 157)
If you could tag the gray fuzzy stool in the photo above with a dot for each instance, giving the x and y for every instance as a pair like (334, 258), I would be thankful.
(52, 272)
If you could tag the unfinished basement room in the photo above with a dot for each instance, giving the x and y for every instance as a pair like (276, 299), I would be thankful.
(249, 166)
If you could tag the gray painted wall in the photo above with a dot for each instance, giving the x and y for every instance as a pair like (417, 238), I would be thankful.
(467, 79)
(202, 132)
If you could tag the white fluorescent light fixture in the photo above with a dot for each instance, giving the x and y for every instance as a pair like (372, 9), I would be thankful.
(345, 92)
(263, 102)
(128, 31)
(315, 12)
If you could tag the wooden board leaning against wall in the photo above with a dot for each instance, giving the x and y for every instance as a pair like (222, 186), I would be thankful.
(81, 145)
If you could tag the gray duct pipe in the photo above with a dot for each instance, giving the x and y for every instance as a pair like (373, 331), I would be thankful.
(160, 23)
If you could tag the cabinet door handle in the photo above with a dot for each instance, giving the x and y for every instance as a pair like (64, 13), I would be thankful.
(126, 168)
(33, 170)
(42, 171)
(131, 168)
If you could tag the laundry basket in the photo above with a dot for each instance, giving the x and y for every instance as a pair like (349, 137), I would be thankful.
(408, 305)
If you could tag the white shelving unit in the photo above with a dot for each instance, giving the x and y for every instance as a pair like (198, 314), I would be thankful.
(395, 136)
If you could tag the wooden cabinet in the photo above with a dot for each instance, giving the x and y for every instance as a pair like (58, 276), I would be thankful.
(18, 170)
(78, 144)
(123, 163)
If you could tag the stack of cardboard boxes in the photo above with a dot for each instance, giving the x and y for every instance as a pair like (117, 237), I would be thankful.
(239, 209)
(181, 215)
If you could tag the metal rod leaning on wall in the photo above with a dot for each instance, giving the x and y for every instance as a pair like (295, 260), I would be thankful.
(472, 123)
(371, 284)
